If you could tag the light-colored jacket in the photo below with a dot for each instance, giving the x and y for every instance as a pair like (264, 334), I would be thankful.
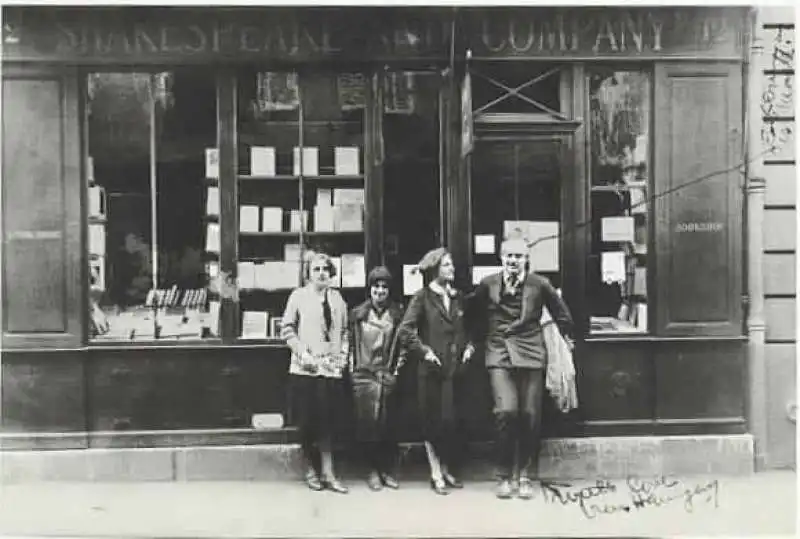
(560, 377)
(303, 329)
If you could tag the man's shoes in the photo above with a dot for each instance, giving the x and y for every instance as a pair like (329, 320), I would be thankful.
(390, 482)
(504, 489)
(439, 487)
(374, 481)
(525, 491)
(452, 481)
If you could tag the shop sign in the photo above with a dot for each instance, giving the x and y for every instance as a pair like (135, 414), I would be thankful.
(141, 33)
(593, 32)
(699, 227)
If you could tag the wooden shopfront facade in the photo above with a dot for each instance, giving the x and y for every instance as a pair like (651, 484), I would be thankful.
(154, 149)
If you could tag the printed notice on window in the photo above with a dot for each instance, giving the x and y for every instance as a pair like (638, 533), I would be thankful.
(617, 229)
(484, 244)
(543, 237)
(412, 280)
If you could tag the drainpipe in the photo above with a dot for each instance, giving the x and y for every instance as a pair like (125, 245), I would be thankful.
(755, 190)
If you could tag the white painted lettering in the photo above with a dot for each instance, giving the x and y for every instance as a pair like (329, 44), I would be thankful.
(202, 40)
(606, 32)
(513, 37)
(487, 39)
(245, 39)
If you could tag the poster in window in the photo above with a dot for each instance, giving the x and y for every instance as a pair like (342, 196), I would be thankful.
(399, 91)
(277, 91)
(351, 88)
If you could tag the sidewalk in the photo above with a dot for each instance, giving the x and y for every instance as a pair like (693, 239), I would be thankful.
(761, 504)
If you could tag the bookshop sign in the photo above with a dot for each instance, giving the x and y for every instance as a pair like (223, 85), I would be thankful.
(607, 32)
(137, 34)
(142, 34)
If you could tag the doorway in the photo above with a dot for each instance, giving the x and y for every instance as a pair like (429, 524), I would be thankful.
(412, 188)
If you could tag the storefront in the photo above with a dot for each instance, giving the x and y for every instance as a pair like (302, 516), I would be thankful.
(163, 169)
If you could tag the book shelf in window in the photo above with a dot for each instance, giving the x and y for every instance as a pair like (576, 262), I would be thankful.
(300, 187)
(622, 258)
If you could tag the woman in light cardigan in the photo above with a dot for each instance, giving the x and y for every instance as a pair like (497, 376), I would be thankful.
(314, 326)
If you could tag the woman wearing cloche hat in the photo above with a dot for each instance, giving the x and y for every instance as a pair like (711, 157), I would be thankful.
(375, 357)
(433, 331)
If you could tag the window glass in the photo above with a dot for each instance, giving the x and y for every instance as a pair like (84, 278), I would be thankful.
(411, 173)
(152, 212)
(288, 204)
(516, 192)
(620, 112)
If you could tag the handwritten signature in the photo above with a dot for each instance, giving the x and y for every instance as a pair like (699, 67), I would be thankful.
(642, 494)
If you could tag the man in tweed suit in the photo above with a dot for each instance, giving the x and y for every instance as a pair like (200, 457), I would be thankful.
(506, 308)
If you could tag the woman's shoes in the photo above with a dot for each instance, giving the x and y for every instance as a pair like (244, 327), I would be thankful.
(390, 482)
(334, 485)
(313, 481)
(439, 487)
(452, 482)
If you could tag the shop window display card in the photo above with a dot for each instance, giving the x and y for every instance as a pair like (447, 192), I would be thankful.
(97, 239)
(272, 219)
(353, 275)
(347, 161)
(248, 218)
(262, 161)
(412, 279)
(212, 163)
(212, 201)
(543, 239)
(254, 324)
(484, 244)
(617, 229)
(212, 238)
(310, 161)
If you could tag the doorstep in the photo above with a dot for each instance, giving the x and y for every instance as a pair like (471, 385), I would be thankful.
(561, 458)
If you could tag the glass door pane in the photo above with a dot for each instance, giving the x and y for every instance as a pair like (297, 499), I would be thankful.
(516, 191)
(412, 219)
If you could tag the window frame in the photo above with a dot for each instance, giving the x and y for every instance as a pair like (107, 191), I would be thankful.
(647, 67)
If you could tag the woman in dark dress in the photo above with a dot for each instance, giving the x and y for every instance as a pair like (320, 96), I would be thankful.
(433, 332)
(374, 359)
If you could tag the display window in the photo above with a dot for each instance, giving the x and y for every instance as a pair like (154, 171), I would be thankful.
(149, 205)
(619, 172)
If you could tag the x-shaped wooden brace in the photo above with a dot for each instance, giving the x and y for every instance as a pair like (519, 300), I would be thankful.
(517, 92)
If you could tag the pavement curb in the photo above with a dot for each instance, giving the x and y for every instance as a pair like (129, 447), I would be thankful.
(562, 458)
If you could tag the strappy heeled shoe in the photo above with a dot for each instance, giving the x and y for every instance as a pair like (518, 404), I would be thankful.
(333, 484)
(313, 482)
(439, 487)
(452, 481)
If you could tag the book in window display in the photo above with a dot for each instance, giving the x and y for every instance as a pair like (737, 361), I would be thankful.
(262, 161)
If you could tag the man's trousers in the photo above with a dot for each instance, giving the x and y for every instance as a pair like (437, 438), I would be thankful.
(518, 417)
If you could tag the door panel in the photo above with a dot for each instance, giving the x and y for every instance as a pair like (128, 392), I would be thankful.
(517, 190)
(41, 209)
(698, 199)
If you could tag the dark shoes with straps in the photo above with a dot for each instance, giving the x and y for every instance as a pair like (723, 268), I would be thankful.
(316, 483)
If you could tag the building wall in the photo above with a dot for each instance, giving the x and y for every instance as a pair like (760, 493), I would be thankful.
(778, 145)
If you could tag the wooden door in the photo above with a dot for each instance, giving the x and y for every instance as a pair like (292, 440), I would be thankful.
(698, 180)
(42, 190)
